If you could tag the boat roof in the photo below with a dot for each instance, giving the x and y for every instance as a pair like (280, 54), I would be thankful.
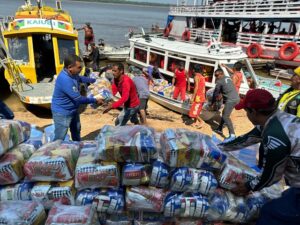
(191, 49)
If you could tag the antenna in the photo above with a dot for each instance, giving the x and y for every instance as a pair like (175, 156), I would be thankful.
(58, 4)
(143, 32)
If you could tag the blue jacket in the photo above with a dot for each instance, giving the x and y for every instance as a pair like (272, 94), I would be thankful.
(66, 96)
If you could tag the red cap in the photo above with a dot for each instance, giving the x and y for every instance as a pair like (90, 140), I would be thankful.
(256, 99)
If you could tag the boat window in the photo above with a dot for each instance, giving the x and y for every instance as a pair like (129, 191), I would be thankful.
(140, 55)
(157, 50)
(199, 22)
(230, 29)
(175, 55)
(208, 71)
(18, 48)
(157, 60)
(173, 63)
(65, 47)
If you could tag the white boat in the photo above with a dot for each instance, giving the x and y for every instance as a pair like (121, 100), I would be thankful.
(115, 53)
(264, 28)
(168, 53)
(281, 73)
(174, 105)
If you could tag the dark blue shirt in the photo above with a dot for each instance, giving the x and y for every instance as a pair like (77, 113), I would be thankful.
(66, 96)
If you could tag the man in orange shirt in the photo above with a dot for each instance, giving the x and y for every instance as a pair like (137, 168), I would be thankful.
(236, 76)
(198, 97)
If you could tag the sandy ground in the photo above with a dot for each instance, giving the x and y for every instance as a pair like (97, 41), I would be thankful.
(92, 120)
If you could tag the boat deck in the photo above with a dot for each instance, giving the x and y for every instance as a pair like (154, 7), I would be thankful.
(37, 94)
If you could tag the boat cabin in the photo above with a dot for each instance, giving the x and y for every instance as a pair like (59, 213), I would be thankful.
(38, 38)
(167, 54)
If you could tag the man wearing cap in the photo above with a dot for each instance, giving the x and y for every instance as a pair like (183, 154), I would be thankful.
(289, 101)
(279, 156)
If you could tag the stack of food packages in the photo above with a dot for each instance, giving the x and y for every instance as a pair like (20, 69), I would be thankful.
(162, 87)
(100, 89)
(129, 175)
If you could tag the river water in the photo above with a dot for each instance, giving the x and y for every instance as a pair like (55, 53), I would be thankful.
(110, 22)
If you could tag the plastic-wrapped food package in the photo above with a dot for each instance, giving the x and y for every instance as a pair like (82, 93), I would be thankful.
(12, 133)
(181, 147)
(54, 161)
(50, 193)
(149, 199)
(21, 212)
(100, 89)
(12, 162)
(254, 202)
(127, 144)
(124, 218)
(225, 206)
(90, 172)
(193, 180)
(109, 200)
(150, 218)
(235, 171)
(76, 215)
(162, 87)
(135, 174)
(160, 174)
(20, 191)
(186, 205)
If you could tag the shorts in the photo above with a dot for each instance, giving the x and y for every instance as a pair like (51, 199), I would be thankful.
(195, 109)
(143, 103)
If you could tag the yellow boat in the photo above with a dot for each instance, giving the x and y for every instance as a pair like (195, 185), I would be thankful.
(37, 39)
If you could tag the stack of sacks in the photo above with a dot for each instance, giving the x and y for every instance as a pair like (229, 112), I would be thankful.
(19, 191)
(91, 172)
(53, 162)
(235, 171)
(12, 133)
(49, 193)
(21, 212)
(162, 87)
(73, 215)
(12, 162)
(181, 147)
(127, 144)
(100, 89)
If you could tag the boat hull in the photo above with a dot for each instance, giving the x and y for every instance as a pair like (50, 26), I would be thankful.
(169, 103)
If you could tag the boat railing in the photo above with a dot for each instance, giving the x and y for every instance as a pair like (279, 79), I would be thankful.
(204, 34)
(274, 41)
(243, 8)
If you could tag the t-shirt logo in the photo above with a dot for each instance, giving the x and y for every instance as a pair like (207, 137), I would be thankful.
(274, 143)
(75, 89)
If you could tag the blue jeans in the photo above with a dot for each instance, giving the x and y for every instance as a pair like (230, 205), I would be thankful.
(62, 123)
(126, 115)
(282, 211)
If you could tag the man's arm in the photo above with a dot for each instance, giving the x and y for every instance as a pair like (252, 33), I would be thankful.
(72, 91)
(188, 80)
(114, 89)
(195, 89)
(276, 152)
(250, 138)
(124, 97)
(228, 68)
(216, 93)
(83, 79)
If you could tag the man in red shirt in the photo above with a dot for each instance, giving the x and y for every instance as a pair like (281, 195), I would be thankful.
(180, 79)
(236, 76)
(129, 96)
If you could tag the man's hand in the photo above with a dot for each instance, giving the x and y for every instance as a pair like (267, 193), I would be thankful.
(189, 88)
(223, 65)
(240, 189)
(108, 108)
(99, 101)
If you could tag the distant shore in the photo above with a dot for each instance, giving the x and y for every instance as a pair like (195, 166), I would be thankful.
(126, 2)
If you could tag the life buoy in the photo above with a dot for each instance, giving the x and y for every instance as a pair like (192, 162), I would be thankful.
(254, 50)
(186, 35)
(284, 52)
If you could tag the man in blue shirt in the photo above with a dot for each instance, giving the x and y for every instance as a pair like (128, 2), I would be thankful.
(67, 99)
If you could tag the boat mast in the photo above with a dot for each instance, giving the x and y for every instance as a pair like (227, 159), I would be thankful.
(58, 4)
